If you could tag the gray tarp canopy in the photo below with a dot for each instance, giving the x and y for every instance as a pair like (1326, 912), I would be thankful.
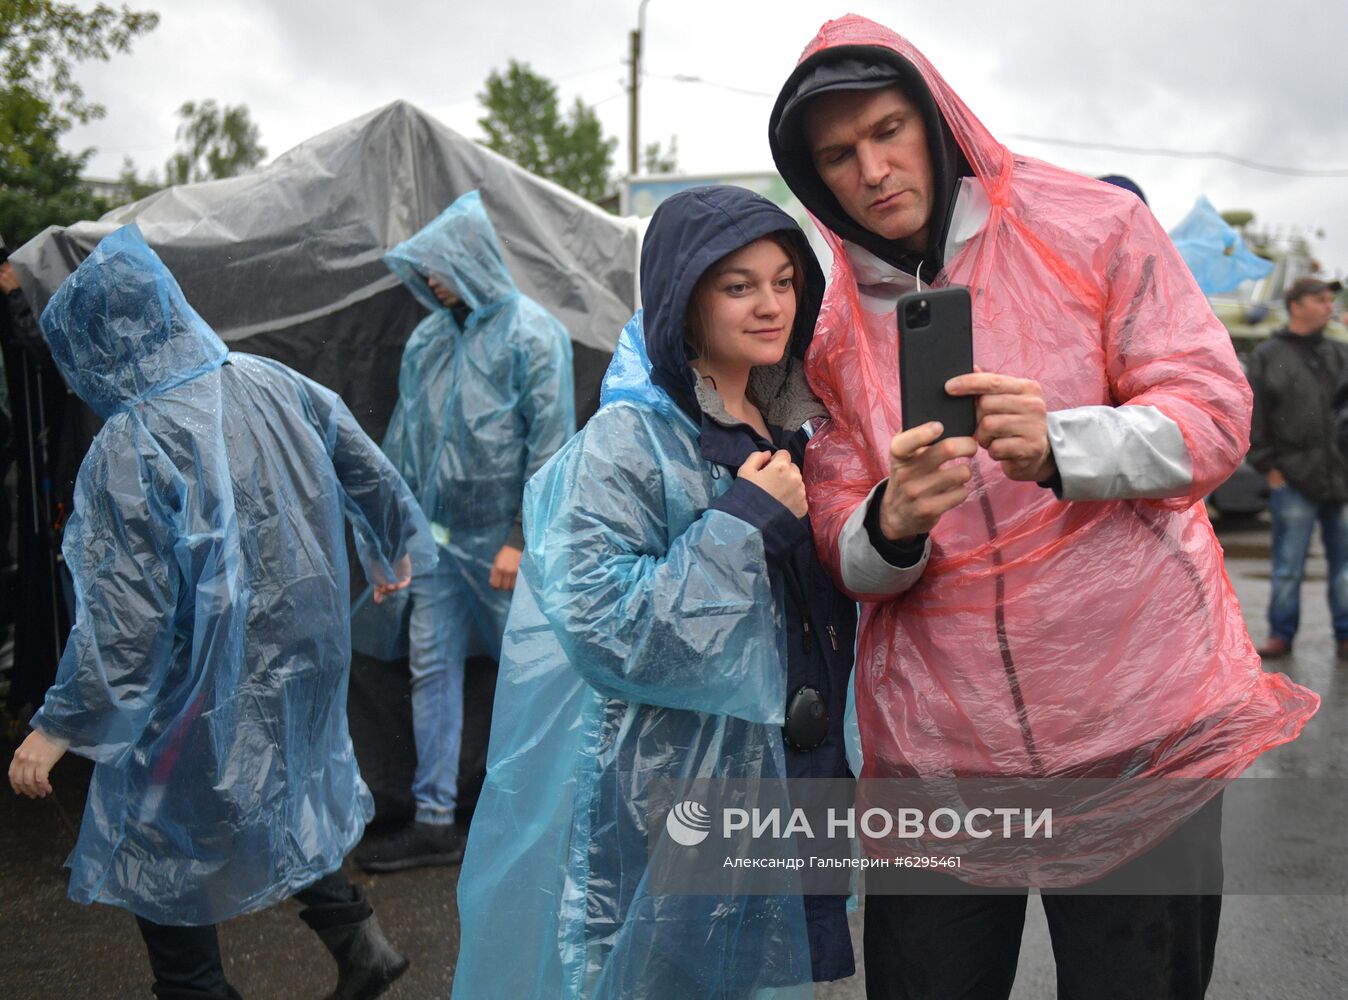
(286, 261)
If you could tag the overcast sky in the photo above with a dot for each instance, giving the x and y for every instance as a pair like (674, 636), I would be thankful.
(1251, 79)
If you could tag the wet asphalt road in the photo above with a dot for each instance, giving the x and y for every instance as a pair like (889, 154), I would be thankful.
(1271, 947)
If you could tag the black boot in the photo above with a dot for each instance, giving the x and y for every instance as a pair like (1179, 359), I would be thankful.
(186, 962)
(367, 965)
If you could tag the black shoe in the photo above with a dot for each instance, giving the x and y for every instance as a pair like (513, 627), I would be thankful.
(416, 845)
(367, 964)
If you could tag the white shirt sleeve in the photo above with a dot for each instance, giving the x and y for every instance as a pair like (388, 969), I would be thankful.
(1119, 453)
(864, 570)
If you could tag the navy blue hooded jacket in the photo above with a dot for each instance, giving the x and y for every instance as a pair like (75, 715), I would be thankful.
(690, 232)
(650, 640)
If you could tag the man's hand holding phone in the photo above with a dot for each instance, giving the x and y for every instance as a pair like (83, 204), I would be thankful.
(927, 477)
(1012, 422)
(1008, 416)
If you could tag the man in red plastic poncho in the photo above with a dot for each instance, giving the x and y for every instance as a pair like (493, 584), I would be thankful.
(1073, 617)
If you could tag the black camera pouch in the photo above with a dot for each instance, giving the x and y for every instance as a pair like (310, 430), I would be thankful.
(806, 725)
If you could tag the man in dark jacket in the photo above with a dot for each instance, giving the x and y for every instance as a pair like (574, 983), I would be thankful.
(1294, 374)
(8, 283)
(34, 415)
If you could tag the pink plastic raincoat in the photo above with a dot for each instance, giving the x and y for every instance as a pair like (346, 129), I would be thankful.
(1049, 637)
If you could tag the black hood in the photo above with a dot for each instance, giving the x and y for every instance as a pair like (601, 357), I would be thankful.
(688, 233)
(865, 67)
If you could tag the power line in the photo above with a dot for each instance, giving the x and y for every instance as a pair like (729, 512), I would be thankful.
(688, 78)
(1182, 154)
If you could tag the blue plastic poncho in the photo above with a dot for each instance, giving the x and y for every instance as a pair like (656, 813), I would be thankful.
(206, 673)
(480, 408)
(1215, 253)
(645, 642)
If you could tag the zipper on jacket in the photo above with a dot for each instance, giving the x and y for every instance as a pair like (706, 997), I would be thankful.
(832, 636)
(798, 599)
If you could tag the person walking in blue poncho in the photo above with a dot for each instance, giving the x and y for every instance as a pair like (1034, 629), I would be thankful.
(670, 604)
(486, 397)
(206, 673)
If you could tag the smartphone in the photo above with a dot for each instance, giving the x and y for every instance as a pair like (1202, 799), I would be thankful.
(936, 343)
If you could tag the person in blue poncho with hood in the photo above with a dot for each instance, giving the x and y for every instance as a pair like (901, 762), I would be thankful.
(670, 605)
(486, 397)
(206, 672)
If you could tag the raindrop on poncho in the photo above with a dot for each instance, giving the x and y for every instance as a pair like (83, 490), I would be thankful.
(206, 673)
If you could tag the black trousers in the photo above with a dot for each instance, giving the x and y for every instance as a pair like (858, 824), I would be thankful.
(1106, 947)
(186, 960)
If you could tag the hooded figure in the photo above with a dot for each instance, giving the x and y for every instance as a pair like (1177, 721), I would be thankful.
(1096, 637)
(486, 397)
(206, 672)
(1076, 286)
(655, 635)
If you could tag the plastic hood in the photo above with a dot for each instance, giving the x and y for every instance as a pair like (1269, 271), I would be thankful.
(459, 245)
(120, 329)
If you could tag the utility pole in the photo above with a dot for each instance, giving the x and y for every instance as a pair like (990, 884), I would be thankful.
(633, 141)
(632, 104)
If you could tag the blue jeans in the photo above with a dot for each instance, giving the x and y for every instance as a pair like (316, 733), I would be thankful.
(1294, 519)
(446, 612)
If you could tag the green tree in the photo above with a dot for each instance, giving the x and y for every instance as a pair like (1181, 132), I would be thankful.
(524, 123)
(214, 142)
(137, 187)
(656, 159)
(43, 188)
(40, 100)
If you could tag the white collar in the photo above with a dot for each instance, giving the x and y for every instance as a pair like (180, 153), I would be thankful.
(881, 283)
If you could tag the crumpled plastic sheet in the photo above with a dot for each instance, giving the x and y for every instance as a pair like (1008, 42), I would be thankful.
(1216, 253)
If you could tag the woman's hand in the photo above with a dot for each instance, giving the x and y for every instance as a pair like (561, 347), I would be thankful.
(776, 475)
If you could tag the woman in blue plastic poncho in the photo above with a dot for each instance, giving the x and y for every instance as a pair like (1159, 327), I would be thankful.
(669, 605)
(206, 672)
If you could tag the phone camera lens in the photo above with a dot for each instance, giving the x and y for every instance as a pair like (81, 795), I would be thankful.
(917, 314)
